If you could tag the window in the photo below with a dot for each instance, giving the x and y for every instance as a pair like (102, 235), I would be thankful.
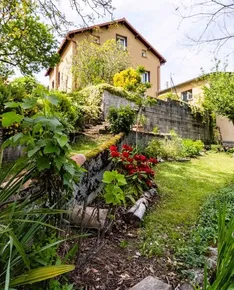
(96, 39)
(58, 78)
(145, 77)
(122, 40)
(144, 53)
(52, 84)
(187, 95)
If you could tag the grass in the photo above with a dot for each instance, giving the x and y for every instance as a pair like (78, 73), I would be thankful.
(184, 187)
(87, 143)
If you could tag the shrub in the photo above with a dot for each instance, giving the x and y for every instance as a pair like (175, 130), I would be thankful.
(121, 119)
(168, 148)
(192, 148)
(130, 79)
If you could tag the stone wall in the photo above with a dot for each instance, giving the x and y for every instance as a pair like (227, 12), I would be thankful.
(166, 115)
(10, 153)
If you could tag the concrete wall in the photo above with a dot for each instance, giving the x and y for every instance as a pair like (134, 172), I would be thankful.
(225, 126)
(166, 116)
(134, 46)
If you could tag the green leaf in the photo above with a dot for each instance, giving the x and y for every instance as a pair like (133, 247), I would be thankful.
(54, 100)
(62, 140)
(121, 179)
(12, 105)
(59, 161)
(33, 151)
(51, 148)
(17, 136)
(28, 103)
(10, 118)
(41, 274)
(108, 177)
(43, 163)
(69, 168)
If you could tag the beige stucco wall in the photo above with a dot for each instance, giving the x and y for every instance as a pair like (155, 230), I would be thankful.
(226, 127)
(64, 67)
(134, 45)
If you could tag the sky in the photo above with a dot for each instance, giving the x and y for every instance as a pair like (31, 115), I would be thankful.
(159, 22)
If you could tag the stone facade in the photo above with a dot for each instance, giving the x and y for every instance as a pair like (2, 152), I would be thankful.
(166, 115)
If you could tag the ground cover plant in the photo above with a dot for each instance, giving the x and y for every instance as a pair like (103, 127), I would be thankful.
(174, 147)
(187, 187)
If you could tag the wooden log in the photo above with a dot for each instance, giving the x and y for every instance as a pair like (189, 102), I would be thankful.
(79, 159)
(93, 218)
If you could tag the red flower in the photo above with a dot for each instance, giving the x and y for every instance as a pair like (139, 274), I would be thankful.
(125, 154)
(115, 154)
(130, 167)
(130, 160)
(137, 157)
(143, 158)
(153, 160)
(113, 148)
(126, 147)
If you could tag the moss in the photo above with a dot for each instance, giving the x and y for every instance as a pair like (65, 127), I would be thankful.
(106, 145)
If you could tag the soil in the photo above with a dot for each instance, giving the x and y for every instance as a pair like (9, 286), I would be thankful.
(118, 264)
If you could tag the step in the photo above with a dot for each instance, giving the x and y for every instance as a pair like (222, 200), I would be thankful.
(151, 283)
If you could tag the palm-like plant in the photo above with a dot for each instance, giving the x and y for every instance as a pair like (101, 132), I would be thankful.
(20, 220)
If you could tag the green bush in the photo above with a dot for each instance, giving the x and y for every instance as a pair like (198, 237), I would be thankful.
(217, 148)
(121, 119)
(192, 148)
(168, 148)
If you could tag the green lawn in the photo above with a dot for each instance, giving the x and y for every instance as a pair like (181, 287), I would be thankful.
(87, 143)
(183, 188)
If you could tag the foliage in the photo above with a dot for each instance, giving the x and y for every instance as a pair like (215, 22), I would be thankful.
(192, 148)
(169, 148)
(46, 144)
(205, 233)
(184, 187)
(27, 83)
(21, 220)
(174, 147)
(113, 193)
(216, 148)
(121, 119)
(225, 263)
(137, 168)
(130, 80)
(219, 94)
(26, 42)
(94, 64)
(89, 100)
(169, 96)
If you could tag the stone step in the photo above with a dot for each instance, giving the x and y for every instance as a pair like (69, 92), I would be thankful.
(151, 283)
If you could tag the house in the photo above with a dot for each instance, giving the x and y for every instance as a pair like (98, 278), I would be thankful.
(141, 51)
(191, 91)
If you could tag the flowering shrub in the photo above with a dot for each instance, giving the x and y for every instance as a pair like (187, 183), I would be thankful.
(137, 168)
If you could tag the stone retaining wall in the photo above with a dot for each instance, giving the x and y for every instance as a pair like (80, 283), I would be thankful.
(166, 115)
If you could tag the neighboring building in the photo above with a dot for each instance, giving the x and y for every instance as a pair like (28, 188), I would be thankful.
(141, 51)
(191, 92)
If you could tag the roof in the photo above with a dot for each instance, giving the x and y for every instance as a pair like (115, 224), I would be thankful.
(123, 21)
(181, 84)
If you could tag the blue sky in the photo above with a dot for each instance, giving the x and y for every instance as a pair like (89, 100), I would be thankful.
(159, 23)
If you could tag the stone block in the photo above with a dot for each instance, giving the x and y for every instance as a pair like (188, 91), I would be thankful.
(151, 283)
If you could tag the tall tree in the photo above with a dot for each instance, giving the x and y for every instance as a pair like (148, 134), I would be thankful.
(25, 42)
(95, 63)
(212, 20)
(219, 94)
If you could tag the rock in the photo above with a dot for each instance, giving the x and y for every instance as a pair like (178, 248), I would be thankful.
(184, 286)
(211, 263)
(198, 275)
(213, 252)
(151, 283)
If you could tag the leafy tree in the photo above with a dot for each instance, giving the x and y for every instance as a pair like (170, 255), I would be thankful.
(25, 42)
(95, 64)
(219, 95)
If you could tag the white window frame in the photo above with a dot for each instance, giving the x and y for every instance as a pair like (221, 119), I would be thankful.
(145, 77)
(189, 95)
(122, 40)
